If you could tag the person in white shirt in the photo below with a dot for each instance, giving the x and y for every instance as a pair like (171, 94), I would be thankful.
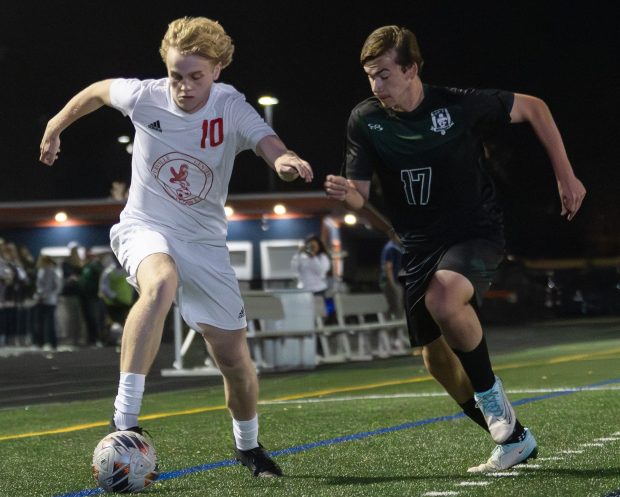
(171, 235)
(312, 265)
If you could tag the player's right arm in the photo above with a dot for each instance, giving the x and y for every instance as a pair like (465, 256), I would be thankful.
(354, 193)
(88, 100)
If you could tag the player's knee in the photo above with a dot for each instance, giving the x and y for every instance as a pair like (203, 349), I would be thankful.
(440, 305)
(236, 369)
(160, 291)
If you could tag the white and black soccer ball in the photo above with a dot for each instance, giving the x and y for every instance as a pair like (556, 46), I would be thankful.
(124, 462)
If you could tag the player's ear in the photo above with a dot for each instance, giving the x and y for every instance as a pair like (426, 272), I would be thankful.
(411, 71)
(216, 71)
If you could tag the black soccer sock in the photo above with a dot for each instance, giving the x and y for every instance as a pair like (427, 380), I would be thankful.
(517, 434)
(473, 413)
(477, 365)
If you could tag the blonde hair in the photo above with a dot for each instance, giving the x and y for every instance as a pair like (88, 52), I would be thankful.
(198, 36)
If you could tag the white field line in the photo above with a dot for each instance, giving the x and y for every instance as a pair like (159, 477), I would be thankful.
(433, 394)
(525, 466)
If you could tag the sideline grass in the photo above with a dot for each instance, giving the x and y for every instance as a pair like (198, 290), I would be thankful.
(413, 462)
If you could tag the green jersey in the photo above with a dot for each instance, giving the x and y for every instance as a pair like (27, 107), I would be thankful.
(430, 163)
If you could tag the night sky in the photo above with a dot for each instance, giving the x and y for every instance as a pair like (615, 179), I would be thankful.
(307, 55)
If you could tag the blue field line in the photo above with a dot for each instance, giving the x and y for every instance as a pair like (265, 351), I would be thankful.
(348, 438)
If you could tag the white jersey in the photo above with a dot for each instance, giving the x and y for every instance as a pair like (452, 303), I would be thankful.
(182, 163)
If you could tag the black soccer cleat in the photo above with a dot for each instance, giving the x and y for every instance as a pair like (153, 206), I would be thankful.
(258, 462)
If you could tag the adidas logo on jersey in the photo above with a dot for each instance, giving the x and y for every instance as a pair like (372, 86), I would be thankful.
(155, 126)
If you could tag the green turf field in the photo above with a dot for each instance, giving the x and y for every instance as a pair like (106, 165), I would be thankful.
(367, 429)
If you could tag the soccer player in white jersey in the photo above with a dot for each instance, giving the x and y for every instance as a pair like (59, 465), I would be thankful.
(172, 232)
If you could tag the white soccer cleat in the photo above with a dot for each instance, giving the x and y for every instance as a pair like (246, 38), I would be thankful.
(497, 411)
(507, 455)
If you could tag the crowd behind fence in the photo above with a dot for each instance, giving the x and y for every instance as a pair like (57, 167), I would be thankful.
(93, 298)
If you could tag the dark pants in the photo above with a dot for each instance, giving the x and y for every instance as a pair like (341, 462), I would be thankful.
(93, 310)
(46, 325)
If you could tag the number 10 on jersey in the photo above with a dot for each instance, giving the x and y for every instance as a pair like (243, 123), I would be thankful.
(213, 130)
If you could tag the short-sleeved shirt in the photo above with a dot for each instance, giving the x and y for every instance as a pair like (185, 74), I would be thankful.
(392, 252)
(430, 163)
(182, 163)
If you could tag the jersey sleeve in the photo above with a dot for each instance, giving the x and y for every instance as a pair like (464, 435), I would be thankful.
(359, 153)
(249, 126)
(487, 110)
(124, 94)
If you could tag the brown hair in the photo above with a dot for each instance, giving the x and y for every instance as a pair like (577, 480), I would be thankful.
(198, 36)
(386, 38)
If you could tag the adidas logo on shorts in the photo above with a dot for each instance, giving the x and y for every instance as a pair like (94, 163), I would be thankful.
(242, 313)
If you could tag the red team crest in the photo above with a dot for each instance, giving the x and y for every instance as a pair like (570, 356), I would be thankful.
(186, 179)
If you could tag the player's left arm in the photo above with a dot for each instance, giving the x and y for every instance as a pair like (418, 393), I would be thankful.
(527, 108)
(286, 163)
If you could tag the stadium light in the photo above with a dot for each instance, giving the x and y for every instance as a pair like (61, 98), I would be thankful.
(279, 209)
(267, 101)
(61, 217)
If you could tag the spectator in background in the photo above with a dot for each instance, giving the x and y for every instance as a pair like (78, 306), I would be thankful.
(48, 287)
(93, 308)
(71, 271)
(17, 292)
(312, 264)
(119, 191)
(118, 296)
(70, 293)
(29, 264)
(391, 264)
(6, 279)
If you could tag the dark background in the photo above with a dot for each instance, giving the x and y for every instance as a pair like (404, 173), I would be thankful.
(306, 54)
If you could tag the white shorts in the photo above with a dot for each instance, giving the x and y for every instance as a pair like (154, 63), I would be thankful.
(208, 290)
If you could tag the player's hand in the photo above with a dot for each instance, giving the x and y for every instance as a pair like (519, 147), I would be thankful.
(50, 146)
(572, 193)
(337, 187)
(290, 166)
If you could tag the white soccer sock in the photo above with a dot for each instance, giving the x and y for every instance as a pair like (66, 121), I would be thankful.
(128, 400)
(246, 433)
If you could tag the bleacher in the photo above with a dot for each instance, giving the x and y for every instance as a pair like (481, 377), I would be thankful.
(287, 331)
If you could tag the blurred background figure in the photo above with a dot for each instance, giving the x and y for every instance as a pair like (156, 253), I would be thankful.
(48, 288)
(6, 278)
(16, 297)
(93, 307)
(312, 264)
(118, 296)
(391, 286)
(71, 322)
(119, 191)
(71, 271)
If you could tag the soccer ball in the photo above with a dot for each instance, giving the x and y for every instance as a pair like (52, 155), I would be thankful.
(124, 462)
